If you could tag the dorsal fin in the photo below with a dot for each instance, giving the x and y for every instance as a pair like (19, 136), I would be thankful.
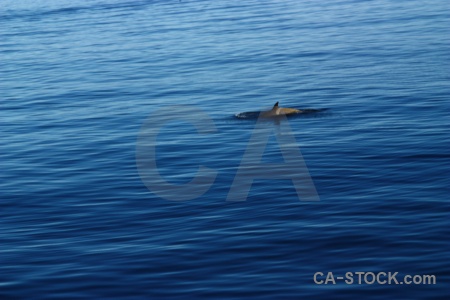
(276, 105)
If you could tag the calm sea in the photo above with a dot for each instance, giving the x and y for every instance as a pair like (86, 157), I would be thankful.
(80, 81)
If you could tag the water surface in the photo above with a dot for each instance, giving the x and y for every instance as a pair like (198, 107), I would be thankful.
(79, 79)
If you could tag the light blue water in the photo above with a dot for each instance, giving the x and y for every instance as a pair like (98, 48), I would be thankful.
(79, 79)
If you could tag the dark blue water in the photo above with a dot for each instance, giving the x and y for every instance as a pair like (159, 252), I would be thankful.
(79, 79)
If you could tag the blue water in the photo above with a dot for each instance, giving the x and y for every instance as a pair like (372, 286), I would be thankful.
(79, 79)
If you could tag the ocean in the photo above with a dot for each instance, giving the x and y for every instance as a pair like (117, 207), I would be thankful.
(125, 170)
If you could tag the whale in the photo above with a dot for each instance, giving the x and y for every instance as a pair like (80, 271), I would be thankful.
(278, 111)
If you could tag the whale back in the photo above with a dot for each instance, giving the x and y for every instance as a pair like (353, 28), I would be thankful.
(276, 111)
